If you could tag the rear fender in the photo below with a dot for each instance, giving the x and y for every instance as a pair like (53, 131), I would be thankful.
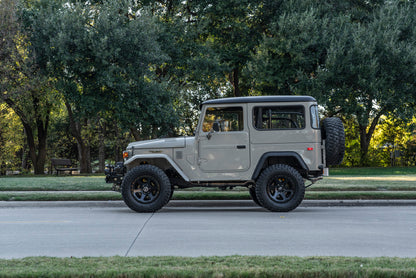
(290, 158)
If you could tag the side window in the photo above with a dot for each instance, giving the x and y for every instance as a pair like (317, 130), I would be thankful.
(279, 117)
(314, 116)
(223, 119)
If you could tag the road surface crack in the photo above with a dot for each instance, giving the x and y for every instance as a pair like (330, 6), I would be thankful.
(137, 236)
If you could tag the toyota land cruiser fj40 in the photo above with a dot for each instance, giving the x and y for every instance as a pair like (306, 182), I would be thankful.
(269, 144)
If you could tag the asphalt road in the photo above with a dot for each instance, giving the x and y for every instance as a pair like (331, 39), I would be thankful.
(109, 228)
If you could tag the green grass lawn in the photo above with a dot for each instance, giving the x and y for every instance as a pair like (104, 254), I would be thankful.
(54, 183)
(232, 266)
(370, 183)
(373, 171)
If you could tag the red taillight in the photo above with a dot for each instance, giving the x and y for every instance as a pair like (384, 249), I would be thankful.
(310, 149)
(125, 154)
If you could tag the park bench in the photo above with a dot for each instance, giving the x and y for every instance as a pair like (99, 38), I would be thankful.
(62, 165)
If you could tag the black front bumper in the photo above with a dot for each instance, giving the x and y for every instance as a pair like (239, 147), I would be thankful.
(115, 174)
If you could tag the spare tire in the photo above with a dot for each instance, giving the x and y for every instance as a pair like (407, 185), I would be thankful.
(334, 136)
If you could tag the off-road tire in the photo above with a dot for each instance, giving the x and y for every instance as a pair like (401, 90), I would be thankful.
(334, 136)
(146, 188)
(280, 188)
(252, 192)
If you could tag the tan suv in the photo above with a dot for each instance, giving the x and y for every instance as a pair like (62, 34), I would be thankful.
(269, 144)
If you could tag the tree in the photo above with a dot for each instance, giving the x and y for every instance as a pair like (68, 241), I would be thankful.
(232, 27)
(293, 45)
(104, 57)
(370, 69)
(22, 87)
(212, 42)
(295, 39)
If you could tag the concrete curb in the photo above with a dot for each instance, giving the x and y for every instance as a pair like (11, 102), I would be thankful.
(206, 203)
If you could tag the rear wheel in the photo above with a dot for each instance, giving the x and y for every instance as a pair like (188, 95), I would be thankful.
(146, 188)
(280, 188)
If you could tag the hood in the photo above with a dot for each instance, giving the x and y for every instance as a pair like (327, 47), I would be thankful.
(159, 143)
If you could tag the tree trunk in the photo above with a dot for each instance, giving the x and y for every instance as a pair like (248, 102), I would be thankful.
(101, 150)
(365, 138)
(39, 166)
(84, 156)
(364, 144)
(37, 155)
(84, 150)
(24, 164)
(37, 151)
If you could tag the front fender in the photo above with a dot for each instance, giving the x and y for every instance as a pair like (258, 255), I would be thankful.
(157, 156)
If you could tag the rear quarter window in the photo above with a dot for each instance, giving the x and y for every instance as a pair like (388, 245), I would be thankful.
(279, 117)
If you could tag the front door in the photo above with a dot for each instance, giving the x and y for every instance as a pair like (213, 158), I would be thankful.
(224, 140)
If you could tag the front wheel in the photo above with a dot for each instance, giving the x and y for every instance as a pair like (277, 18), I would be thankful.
(146, 188)
(280, 187)
(252, 192)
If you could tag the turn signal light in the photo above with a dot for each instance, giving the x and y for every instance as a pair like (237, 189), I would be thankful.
(310, 149)
(125, 155)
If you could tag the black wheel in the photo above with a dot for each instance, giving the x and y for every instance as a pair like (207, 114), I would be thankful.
(280, 188)
(334, 136)
(252, 192)
(146, 188)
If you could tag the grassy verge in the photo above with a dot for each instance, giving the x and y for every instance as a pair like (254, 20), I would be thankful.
(207, 195)
(366, 183)
(54, 183)
(233, 266)
(360, 195)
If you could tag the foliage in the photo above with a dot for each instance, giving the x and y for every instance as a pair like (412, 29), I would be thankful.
(394, 142)
(352, 144)
(99, 70)
(11, 140)
(294, 43)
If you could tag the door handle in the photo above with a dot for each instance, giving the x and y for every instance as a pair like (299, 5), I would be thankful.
(241, 147)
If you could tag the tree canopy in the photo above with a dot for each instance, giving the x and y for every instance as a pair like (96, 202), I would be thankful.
(370, 69)
(103, 72)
